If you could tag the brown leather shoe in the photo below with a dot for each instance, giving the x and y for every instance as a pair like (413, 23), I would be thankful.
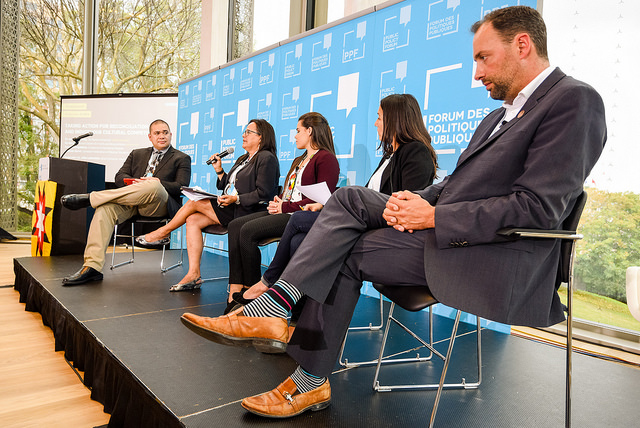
(285, 401)
(268, 335)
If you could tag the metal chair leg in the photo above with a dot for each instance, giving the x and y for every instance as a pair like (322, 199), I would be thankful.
(444, 370)
(216, 278)
(372, 327)
(391, 358)
(567, 416)
(463, 384)
(173, 266)
(113, 253)
(179, 263)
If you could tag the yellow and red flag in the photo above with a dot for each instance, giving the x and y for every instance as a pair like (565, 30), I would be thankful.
(42, 220)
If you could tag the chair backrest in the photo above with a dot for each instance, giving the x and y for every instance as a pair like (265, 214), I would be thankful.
(566, 247)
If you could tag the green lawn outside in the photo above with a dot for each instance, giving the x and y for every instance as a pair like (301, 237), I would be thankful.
(591, 307)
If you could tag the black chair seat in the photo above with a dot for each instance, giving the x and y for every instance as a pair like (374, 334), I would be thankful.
(218, 229)
(215, 229)
(142, 219)
(412, 299)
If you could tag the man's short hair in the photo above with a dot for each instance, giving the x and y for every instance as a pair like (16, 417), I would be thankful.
(510, 21)
(158, 121)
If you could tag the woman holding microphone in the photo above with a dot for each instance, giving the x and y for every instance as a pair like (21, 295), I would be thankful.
(317, 164)
(250, 183)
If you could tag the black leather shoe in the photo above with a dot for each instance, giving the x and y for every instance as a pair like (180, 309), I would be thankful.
(231, 306)
(76, 201)
(238, 297)
(85, 274)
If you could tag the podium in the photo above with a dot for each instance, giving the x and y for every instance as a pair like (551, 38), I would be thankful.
(70, 227)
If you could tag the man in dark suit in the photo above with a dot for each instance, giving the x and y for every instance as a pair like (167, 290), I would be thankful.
(155, 175)
(524, 167)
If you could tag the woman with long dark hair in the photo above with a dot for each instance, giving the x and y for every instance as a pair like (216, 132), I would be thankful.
(409, 162)
(317, 164)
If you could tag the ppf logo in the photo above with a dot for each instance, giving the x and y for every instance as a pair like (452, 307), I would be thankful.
(353, 44)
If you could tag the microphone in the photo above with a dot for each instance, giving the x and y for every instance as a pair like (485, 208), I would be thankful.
(229, 151)
(76, 140)
(80, 137)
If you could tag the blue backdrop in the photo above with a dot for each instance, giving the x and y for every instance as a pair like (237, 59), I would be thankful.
(418, 47)
(342, 71)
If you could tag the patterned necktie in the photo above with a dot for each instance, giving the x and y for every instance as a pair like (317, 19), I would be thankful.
(153, 163)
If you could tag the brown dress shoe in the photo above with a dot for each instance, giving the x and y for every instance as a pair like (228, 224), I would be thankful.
(285, 401)
(268, 335)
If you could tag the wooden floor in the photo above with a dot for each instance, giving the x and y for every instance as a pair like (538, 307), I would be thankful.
(38, 388)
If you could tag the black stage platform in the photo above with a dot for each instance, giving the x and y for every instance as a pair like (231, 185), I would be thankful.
(149, 370)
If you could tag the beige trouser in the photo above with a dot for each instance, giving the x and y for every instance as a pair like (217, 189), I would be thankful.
(148, 198)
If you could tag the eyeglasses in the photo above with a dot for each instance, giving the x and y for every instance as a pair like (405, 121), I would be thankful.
(249, 131)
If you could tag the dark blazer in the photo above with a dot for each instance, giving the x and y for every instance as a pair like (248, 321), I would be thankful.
(410, 168)
(323, 166)
(174, 171)
(528, 174)
(257, 182)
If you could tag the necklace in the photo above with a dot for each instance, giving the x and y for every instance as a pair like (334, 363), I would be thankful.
(306, 159)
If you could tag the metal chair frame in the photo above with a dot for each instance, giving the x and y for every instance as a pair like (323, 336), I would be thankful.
(569, 236)
(416, 299)
(134, 220)
(463, 384)
(370, 327)
(214, 229)
(344, 362)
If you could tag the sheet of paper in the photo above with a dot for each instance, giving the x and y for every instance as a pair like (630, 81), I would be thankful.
(196, 193)
(319, 192)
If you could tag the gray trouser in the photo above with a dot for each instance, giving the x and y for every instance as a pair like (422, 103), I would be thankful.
(349, 243)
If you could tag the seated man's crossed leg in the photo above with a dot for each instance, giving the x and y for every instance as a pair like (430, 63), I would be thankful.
(349, 243)
(147, 198)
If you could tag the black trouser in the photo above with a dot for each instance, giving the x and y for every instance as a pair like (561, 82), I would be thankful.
(244, 235)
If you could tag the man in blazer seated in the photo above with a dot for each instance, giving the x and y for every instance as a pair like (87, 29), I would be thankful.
(524, 167)
(153, 178)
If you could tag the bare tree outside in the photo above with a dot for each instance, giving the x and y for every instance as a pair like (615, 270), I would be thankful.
(143, 46)
(242, 35)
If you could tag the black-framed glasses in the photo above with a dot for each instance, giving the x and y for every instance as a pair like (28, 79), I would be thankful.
(249, 131)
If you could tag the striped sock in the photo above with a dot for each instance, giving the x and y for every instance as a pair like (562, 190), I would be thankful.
(277, 302)
(305, 381)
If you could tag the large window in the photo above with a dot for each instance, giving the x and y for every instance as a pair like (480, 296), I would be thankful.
(337, 9)
(270, 22)
(142, 46)
(596, 43)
